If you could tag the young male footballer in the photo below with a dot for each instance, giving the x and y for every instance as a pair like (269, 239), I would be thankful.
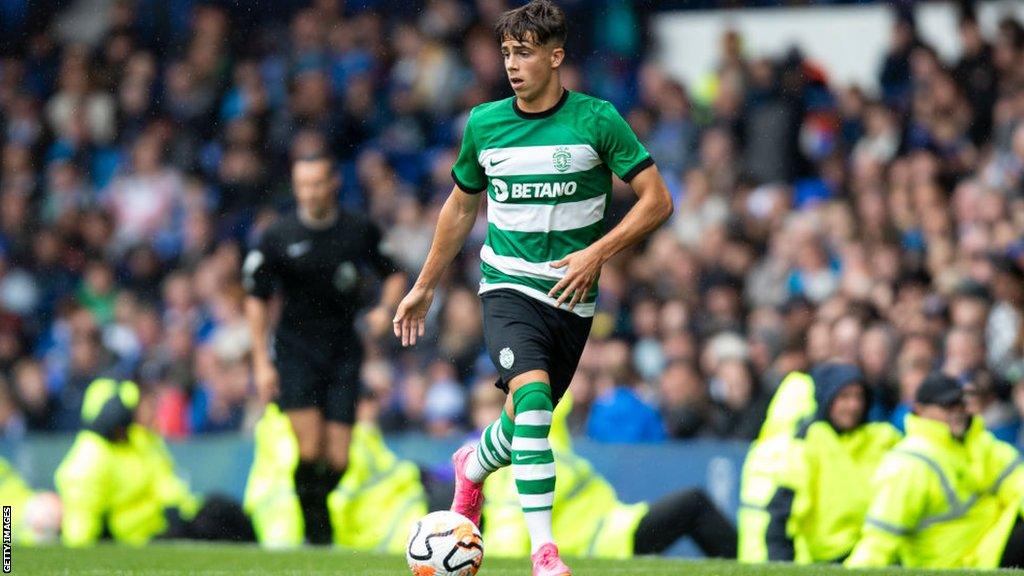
(545, 158)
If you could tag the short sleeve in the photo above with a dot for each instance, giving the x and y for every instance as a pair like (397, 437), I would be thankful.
(467, 172)
(259, 271)
(619, 147)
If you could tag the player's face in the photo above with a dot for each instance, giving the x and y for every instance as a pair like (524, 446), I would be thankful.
(530, 67)
(315, 184)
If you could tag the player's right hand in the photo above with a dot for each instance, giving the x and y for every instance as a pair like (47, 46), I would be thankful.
(411, 318)
(265, 375)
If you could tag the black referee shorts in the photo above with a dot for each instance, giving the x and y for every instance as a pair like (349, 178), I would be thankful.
(312, 375)
(524, 334)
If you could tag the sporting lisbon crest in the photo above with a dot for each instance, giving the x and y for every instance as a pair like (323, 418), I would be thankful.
(562, 159)
(506, 358)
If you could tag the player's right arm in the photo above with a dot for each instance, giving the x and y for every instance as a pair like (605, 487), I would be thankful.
(258, 278)
(453, 225)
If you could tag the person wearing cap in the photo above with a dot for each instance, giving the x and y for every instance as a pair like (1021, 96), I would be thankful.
(802, 496)
(949, 495)
(118, 479)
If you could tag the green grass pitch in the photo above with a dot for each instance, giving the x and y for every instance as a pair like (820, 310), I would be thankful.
(223, 560)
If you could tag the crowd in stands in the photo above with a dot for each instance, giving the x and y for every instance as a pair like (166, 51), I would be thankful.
(813, 221)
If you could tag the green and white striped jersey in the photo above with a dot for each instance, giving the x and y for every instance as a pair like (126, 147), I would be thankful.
(548, 177)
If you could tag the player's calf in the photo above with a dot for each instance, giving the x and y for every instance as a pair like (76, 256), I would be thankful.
(533, 463)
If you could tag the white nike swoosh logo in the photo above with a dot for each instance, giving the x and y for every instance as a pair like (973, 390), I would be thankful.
(299, 248)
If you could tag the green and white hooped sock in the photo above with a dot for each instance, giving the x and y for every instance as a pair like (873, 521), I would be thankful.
(494, 450)
(533, 463)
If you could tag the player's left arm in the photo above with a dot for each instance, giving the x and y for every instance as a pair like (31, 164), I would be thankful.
(652, 209)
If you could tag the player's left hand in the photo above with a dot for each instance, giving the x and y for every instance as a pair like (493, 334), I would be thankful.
(378, 320)
(582, 268)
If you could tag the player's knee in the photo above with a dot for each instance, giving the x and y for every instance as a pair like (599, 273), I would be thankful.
(535, 396)
(337, 457)
(310, 449)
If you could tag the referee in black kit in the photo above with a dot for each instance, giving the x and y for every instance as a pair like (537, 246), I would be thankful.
(320, 259)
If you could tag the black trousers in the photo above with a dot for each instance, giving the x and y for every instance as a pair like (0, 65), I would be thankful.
(1013, 554)
(220, 518)
(686, 513)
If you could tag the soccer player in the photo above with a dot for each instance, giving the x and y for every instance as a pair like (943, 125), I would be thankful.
(545, 157)
(320, 257)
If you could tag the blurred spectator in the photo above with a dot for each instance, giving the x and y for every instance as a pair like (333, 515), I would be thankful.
(815, 221)
(146, 200)
(739, 405)
(684, 406)
(988, 397)
(618, 414)
(32, 396)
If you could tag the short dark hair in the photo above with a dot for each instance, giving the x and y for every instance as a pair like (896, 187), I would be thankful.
(318, 156)
(540, 21)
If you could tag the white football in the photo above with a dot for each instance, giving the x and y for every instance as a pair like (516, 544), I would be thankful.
(43, 512)
(444, 544)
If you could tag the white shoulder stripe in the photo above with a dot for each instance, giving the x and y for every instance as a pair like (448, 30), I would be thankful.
(545, 217)
(535, 160)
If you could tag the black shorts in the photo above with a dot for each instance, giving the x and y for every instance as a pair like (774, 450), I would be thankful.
(524, 334)
(314, 376)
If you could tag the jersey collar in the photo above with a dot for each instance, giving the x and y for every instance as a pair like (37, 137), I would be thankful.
(544, 113)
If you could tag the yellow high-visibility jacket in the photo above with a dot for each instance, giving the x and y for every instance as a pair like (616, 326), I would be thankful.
(803, 498)
(270, 499)
(372, 507)
(378, 498)
(942, 503)
(129, 484)
(15, 492)
(791, 406)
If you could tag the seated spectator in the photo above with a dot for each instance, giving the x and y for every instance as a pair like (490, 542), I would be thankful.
(925, 511)
(118, 479)
(801, 494)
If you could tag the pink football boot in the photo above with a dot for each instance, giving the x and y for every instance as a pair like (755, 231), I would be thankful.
(469, 496)
(547, 563)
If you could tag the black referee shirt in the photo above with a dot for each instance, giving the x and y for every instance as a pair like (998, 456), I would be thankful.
(322, 274)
